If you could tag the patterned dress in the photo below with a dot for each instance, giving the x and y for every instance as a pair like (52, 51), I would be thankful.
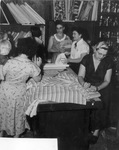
(12, 94)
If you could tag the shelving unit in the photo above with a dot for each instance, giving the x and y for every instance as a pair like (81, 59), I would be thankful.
(16, 20)
(108, 29)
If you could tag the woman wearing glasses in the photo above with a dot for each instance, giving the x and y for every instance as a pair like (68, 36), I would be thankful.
(59, 42)
(95, 74)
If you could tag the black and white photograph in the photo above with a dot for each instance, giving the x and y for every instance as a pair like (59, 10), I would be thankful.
(59, 74)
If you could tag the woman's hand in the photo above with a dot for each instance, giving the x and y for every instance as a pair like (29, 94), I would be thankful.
(64, 60)
(39, 40)
(92, 88)
(86, 85)
(65, 45)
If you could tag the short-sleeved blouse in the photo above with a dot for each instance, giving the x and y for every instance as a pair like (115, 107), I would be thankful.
(80, 48)
(18, 70)
(93, 76)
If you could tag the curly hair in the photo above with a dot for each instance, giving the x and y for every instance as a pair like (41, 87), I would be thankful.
(35, 31)
(25, 46)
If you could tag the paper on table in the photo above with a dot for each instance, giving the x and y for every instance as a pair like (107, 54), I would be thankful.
(59, 58)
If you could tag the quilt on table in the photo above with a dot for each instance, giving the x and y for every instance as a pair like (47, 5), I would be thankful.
(62, 88)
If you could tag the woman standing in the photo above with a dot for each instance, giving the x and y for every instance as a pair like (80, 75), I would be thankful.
(16, 72)
(59, 42)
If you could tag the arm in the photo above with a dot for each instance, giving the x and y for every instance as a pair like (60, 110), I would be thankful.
(37, 62)
(37, 78)
(81, 76)
(105, 83)
(77, 60)
(50, 44)
(107, 80)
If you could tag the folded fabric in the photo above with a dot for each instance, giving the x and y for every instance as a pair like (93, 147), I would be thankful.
(59, 58)
(32, 109)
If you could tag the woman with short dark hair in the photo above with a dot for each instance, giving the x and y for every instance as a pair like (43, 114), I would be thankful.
(79, 49)
(59, 42)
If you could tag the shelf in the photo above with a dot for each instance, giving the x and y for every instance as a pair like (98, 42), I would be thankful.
(108, 14)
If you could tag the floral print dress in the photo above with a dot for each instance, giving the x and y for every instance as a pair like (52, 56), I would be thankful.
(12, 94)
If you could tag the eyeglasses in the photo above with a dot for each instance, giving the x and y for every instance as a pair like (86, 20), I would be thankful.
(100, 54)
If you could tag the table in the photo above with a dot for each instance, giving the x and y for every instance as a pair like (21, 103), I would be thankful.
(68, 121)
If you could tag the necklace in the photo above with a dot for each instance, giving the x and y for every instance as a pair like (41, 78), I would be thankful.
(59, 40)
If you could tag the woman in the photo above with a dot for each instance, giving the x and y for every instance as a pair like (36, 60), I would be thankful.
(35, 43)
(5, 47)
(79, 49)
(59, 42)
(36, 36)
(16, 72)
(95, 74)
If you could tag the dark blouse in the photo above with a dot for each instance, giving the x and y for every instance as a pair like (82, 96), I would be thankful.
(92, 76)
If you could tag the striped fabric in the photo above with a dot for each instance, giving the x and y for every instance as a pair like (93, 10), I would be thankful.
(61, 88)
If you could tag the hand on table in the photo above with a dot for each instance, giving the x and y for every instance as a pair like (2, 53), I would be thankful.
(92, 88)
(86, 85)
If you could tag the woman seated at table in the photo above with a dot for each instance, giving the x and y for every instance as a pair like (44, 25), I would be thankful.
(95, 73)
(79, 49)
(16, 71)
(59, 42)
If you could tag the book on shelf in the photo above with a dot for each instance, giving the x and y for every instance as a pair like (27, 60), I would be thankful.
(21, 34)
(75, 9)
(80, 8)
(95, 10)
(87, 11)
(84, 5)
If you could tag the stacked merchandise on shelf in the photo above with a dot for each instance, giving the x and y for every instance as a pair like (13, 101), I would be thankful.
(109, 18)
(59, 9)
(108, 27)
(82, 10)
(19, 14)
